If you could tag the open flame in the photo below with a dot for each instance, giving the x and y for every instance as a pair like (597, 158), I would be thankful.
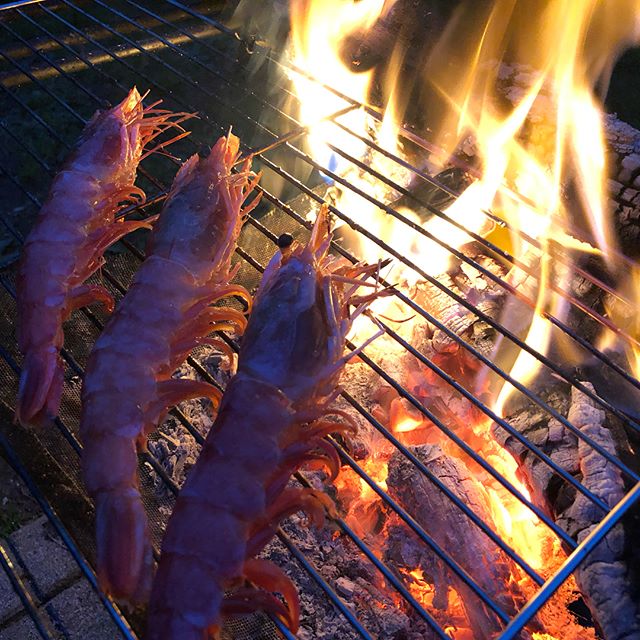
(623, 312)
(548, 142)
(317, 31)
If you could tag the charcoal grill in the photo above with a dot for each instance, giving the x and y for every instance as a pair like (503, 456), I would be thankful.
(60, 60)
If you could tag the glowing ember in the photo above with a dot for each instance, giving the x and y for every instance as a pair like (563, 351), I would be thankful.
(407, 424)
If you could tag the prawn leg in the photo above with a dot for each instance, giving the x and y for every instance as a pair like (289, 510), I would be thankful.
(206, 321)
(217, 293)
(247, 600)
(313, 503)
(118, 230)
(267, 577)
(86, 294)
(174, 391)
(108, 236)
(315, 450)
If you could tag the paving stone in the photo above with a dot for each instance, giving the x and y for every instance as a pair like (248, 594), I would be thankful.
(79, 614)
(44, 555)
(10, 602)
(22, 629)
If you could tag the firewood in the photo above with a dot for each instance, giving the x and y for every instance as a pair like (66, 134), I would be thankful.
(609, 579)
(453, 531)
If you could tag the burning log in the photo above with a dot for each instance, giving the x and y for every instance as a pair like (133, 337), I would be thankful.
(609, 579)
(453, 531)
(440, 348)
(407, 24)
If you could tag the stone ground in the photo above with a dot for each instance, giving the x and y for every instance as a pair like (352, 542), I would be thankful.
(64, 598)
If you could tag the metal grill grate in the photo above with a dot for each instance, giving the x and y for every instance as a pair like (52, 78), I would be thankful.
(62, 60)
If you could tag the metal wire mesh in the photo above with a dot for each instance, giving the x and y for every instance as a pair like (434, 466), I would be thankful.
(62, 60)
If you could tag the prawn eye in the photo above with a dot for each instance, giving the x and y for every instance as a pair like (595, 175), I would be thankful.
(285, 240)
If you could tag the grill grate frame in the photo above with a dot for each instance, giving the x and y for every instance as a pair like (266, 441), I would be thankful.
(152, 45)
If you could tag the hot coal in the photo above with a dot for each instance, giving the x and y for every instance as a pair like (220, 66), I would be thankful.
(353, 578)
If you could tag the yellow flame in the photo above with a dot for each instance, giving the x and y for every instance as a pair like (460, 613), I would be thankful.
(622, 311)
(318, 28)
(550, 141)
(527, 166)
(514, 521)
(407, 424)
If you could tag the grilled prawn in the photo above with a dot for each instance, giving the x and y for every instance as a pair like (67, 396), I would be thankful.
(164, 315)
(273, 417)
(74, 228)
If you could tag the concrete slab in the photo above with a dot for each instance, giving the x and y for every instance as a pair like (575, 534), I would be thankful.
(79, 614)
(10, 603)
(47, 561)
(22, 629)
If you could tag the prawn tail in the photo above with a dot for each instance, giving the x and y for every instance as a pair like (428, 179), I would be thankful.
(125, 561)
(40, 390)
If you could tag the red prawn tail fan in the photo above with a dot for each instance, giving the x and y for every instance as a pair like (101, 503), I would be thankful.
(124, 570)
(40, 389)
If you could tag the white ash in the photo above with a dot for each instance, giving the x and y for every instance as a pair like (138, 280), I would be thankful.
(356, 581)
(174, 447)
(604, 577)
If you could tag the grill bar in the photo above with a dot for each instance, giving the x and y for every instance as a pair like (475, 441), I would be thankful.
(491, 247)
(408, 134)
(454, 566)
(77, 447)
(572, 380)
(476, 401)
(18, 3)
(431, 319)
(534, 605)
(493, 277)
(283, 141)
(549, 523)
(453, 437)
(391, 211)
(420, 230)
(529, 505)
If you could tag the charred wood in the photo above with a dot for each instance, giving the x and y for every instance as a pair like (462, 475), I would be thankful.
(609, 579)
